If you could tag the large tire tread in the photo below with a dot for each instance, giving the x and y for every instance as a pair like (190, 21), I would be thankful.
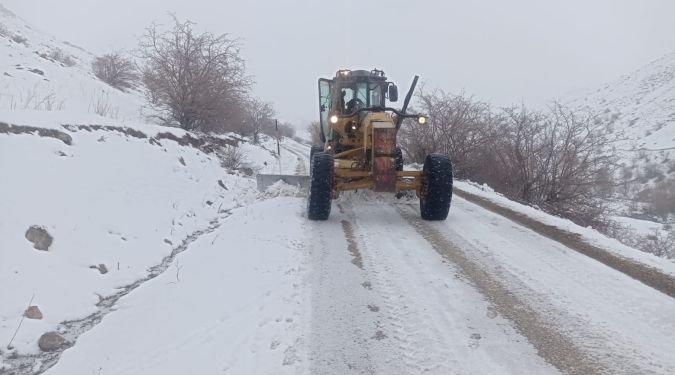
(312, 151)
(435, 204)
(320, 186)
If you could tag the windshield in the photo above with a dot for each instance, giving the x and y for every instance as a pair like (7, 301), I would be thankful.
(360, 95)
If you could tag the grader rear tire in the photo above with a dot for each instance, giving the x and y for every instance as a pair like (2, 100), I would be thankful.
(320, 186)
(435, 202)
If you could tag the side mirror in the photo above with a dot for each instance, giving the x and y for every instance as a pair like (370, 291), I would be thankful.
(393, 93)
(323, 107)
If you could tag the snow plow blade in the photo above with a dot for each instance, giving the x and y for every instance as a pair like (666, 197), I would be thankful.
(266, 180)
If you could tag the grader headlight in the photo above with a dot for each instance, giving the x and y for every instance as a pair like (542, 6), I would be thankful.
(422, 120)
(333, 119)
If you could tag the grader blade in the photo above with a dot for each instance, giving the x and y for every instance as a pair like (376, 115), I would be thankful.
(266, 180)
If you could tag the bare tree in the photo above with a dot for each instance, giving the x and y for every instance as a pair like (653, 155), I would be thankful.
(457, 126)
(286, 129)
(116, 70)
(195, 80)
(259, 115)
(315, 133)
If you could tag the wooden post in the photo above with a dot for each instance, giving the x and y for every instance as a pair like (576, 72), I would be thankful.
(276, 125)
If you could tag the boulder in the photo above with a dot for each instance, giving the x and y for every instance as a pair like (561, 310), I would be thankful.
(51, 341)
(33, 312)
(39, 237)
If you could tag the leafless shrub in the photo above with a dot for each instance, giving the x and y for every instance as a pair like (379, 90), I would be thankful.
(232, 157)
(116, 70)
(560, 160)
(37, 101)
(102, 106)
(660, 243)
(195, 80)
(62, 57)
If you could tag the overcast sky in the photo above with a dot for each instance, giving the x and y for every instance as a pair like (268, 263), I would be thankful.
(499, 51)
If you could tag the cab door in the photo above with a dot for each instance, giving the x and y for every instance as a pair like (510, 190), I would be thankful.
(325, 104)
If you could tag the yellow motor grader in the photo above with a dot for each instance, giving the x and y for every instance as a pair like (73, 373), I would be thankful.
(360, 151)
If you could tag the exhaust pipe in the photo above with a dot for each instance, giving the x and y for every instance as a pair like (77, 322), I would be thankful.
(408, 96)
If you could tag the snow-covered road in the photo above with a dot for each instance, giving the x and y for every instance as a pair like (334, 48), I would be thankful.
(475, 294)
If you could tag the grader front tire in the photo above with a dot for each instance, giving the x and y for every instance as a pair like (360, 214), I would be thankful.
(320, 186)
(435, 201)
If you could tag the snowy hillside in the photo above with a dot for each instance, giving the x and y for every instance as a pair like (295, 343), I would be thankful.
(642, 106)
(39, 72)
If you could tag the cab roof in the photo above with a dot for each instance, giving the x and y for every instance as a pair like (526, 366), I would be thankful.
(373, 75)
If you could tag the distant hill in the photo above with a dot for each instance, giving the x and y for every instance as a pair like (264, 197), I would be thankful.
(641, 106)
(641, 103)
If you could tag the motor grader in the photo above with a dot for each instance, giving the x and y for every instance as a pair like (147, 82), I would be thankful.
(359, 149)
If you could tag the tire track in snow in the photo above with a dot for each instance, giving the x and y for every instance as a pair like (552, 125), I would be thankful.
(416, 338)
(301, 166)
(338, 334)
(422, 317)
(541, 328)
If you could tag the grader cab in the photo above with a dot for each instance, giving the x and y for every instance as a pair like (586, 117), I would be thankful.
(360, 151)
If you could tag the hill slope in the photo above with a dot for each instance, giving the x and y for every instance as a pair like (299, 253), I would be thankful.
(641, 103)
(39, 72)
